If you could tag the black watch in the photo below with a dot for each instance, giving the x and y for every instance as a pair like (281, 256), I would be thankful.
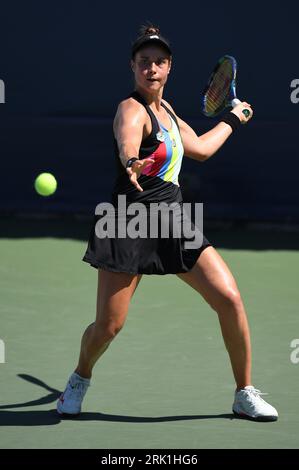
(131, 161)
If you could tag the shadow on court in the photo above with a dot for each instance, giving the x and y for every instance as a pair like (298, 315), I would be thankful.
(51, 417)
(235, 236)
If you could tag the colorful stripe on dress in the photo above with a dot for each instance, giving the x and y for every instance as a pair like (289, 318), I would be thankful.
(168, 156)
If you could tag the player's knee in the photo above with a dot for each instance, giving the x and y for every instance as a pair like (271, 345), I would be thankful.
(108, 330)
(113, 329)
(229, 301)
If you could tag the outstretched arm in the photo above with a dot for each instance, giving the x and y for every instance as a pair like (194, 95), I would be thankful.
(128, 128)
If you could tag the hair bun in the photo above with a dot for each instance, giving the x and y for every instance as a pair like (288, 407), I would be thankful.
(152, 30)
(149, 29)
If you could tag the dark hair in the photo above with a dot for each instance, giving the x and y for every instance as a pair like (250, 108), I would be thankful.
(150, 34)
(148, 28)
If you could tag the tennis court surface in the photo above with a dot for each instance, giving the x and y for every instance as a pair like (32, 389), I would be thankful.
(165, 382)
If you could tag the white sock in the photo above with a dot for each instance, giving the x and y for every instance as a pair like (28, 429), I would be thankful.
(78, 377)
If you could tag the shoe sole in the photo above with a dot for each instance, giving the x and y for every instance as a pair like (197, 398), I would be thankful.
(62, 413)
(67, 415)
(262, 419)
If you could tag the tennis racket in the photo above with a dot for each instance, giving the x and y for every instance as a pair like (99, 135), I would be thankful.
(220, 92)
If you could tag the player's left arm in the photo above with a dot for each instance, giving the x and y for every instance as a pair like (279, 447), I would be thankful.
(204, 146)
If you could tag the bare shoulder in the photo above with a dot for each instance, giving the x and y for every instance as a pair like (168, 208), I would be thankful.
(128, 110)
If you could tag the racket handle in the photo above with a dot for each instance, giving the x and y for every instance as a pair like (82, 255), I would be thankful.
(235, 102)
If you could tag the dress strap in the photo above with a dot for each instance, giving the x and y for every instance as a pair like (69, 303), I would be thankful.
(171, 114)
(154, 121)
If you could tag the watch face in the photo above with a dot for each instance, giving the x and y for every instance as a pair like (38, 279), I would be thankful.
(130, 162)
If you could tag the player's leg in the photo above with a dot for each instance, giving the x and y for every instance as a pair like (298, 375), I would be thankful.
(115, 291)
(211, 277)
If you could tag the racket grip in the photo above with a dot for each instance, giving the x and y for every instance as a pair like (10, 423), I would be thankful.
(235, 102)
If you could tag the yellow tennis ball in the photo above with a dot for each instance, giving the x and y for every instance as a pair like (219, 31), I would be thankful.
(45, 184)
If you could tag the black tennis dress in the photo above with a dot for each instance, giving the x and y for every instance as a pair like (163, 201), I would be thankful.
(148, 232)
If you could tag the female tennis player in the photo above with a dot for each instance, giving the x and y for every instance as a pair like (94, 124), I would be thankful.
(150, 143)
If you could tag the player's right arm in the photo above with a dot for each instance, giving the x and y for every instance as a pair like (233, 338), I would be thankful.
(128, 127)
(205, 145)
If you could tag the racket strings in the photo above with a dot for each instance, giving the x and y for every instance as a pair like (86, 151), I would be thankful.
(219, 88)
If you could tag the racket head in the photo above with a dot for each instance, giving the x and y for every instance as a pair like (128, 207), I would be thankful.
(221, 87)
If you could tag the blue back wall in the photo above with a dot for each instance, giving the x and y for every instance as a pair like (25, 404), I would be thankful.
(65, 66)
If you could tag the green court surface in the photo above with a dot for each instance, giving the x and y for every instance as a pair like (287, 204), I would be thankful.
(165, 382)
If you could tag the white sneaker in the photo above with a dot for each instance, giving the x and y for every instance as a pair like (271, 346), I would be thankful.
(248, 404)
(71, 399)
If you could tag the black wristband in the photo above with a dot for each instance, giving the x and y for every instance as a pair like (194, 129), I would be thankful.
(232, 120)
(131, 161)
